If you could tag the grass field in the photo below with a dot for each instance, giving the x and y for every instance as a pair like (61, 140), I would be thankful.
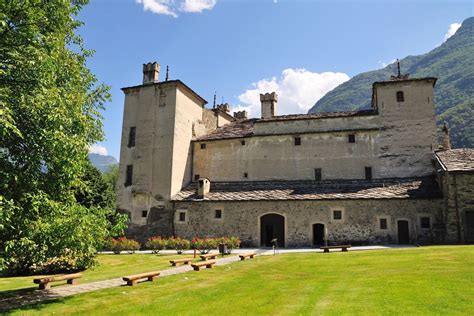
(109, 267)
(427, 280)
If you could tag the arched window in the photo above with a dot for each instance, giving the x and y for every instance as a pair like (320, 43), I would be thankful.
(400, 96)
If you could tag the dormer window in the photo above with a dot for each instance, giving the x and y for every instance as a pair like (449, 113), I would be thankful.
(400, 96)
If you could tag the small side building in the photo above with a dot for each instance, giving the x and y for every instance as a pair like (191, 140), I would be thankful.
(455, 170)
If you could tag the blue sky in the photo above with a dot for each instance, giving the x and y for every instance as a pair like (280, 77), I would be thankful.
(299, 48)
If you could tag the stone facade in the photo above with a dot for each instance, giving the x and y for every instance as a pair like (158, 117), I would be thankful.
(170, 141)
(359, 223)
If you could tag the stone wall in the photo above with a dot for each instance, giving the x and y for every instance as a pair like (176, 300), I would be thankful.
(458, 191)
(359, 224)
(396, 142)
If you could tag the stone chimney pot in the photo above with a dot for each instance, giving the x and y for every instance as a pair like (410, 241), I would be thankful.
(269, 102)
(241, 115)
(204, 186)
(446, 138)
(151, 72)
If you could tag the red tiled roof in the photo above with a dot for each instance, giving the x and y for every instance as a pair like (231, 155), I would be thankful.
(312, 190)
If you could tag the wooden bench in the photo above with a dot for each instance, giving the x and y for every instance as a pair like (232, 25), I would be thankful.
(133, 279)
(177, 262)
(343, 247)
(198, 265)
(209, 256)
(247, 255)
(44, 283)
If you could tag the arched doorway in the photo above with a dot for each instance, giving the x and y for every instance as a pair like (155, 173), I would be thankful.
(272, 226)
(403, 232)
(318, 234)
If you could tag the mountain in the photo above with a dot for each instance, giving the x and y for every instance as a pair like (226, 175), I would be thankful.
(102, 162)
(452, 63)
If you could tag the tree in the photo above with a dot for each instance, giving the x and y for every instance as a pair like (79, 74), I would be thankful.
(111, 177)
(50, 107)
(95, 191)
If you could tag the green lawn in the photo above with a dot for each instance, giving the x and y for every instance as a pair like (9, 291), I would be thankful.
(110, 266)
(428, 280)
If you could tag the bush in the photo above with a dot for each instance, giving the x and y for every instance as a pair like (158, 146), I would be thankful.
(178, 244)
(155, 244)
(231, 242)
(123, 244)
(205, 245)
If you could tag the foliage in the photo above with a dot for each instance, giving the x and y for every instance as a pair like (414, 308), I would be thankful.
(123, 244)
(178, 244)
(452, 63)
(156, 244)
(95, 190)
(110, 176)
(231, 242)
(50, 107)
(204, 245)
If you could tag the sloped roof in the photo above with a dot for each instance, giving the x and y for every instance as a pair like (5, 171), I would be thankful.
(457, 159)
(245, 128)
(311, 190)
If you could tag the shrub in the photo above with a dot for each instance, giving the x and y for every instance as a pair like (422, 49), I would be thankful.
(123, 244)
(205, 245)
(156, 243)
(63, 238)
(178, 244)
(231, 243)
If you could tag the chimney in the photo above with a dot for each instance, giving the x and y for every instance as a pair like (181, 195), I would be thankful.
(269, 102)
(241, 115)
(446, 141)
(224, 107)
(204, 186)
(150, 73)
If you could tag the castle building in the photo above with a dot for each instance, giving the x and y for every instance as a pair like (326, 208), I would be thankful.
(359, 177)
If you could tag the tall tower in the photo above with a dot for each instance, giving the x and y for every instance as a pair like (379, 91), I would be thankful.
(407, 112)
(155, 155)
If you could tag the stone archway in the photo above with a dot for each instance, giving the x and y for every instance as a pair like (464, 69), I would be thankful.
(272, 226)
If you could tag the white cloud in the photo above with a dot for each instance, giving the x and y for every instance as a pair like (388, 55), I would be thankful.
(196, 6)
(452, 30)
(171, 7)
(383, 64)
(98, 149)
(297, 89)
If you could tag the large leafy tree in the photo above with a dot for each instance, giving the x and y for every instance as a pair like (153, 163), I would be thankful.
(50, 106)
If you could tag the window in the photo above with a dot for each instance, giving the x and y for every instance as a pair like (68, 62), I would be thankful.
(317, 174)
(368, 173)
(196, 177)
(129, 175)
(144, 213)
(383, 223)
(242, 142)
(297, 141)
(425, 222)
(182, 216)
(352, 138)
(337, 215)
(400, 96)
(246, 175)
(203, 146)
(131, 136)
(218, 214)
